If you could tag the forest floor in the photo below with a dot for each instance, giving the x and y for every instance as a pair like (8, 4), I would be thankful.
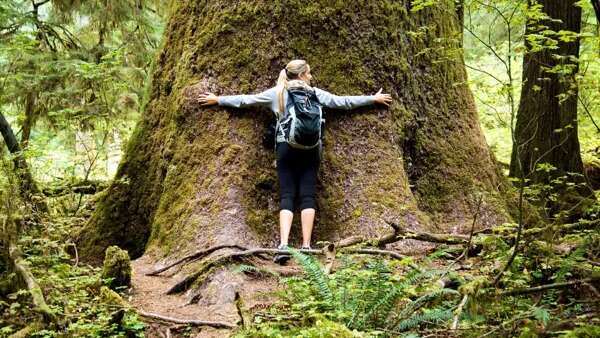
(551, 290)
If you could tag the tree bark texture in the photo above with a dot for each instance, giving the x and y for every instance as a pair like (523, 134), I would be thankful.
(196, 177)
(546, 127)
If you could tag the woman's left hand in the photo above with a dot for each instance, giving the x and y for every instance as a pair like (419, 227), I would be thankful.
(208, 99)
(385, 99)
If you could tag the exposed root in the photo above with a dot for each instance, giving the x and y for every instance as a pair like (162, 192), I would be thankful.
(195, 256)
(223, 259)
(187, 321)
(28, 330)
(220, 260)
(329, 251)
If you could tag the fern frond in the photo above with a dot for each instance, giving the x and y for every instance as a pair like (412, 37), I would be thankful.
(382, 308)
(315, 274)
(251, 269)
(434, 316)
(424, 299)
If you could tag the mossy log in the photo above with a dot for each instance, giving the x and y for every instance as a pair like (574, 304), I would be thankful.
(24, 272)
(195, 178)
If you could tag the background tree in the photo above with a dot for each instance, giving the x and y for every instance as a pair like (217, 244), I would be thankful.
(546, 139)
(195, 177)
(76, 67)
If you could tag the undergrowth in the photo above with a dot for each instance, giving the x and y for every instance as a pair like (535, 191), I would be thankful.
(73, 291)
(373, 297)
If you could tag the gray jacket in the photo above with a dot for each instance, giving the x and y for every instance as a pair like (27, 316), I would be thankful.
(269, 99)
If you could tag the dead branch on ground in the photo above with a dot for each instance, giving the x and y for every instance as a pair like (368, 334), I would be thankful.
(563, 285)
(23, 270)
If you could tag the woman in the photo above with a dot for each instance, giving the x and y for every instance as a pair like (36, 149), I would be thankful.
(296, 168)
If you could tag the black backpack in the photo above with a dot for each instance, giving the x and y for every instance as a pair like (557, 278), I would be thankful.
(302, 122)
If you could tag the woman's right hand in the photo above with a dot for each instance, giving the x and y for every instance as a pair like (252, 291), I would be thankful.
(208, 99)
(385, 99)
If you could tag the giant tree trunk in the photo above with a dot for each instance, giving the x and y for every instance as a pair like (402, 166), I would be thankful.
(194, 177)
(546, 128)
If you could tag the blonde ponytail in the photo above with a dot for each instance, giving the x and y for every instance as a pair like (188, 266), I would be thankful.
(294, 68)
(282, 84)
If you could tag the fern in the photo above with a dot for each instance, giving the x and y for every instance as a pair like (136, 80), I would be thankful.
(254, 270)
(372, 290)
(381, 310)
(434, 316)
(424, 299)
(315, 275)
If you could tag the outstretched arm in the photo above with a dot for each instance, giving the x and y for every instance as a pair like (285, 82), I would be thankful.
(238, 101)
(350, 102)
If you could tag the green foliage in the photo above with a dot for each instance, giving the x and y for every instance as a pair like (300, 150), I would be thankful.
(494, 44)
(368, 296)
(315, 275)
(73, 292)
(73, 73)
(255, 271)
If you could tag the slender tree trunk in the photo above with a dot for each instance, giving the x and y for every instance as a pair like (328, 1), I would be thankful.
(195, 177)
(28, 188)
(546, 127)
(29, 120)
(596, 5)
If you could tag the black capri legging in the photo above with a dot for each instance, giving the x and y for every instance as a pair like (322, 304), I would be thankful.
(297, 170)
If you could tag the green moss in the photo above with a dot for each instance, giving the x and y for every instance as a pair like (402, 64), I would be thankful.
(187, 168)
(117, 267)
(110, 297)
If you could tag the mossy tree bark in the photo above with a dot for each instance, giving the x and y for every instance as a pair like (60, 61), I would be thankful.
(28, 188)
(546, 127)
(194, 177)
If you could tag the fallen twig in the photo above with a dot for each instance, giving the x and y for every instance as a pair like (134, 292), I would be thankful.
(187, 321)
(402, 234)
(426, 237)
(458, 312)
(523, 291)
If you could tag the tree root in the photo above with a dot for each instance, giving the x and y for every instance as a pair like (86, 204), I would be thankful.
(220, 260)
(329, 251)
(342, 246)
(195, 256)
(28, 330)
(223, 259)
(187, 321)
